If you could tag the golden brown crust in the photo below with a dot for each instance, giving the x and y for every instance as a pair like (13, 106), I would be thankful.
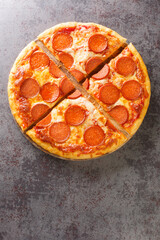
(114, 43)
(76, 155)
(43, 76)
(11, 95)
(51, 30)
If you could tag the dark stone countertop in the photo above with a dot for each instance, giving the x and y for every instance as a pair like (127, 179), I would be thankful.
(116, 197)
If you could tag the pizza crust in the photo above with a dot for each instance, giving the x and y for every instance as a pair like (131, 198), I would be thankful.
(42, 76)
(121, 41)
(11, 95)
(51, 30)
(76, 155)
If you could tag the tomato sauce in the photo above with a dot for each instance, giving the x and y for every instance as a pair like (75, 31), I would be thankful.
(42, 134)
(67, 30)
(136, 111)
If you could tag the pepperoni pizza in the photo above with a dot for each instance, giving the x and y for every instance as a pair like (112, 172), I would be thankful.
(78, 123)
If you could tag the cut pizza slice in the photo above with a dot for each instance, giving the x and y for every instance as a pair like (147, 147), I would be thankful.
(75, 129)
(122, 87)
(35, 85)
(81, 46)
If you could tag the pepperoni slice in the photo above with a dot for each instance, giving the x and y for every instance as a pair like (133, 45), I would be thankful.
(45, 121)
(39, 60)
(77, 93)
(66, 59)
(97, 43)
(55, 71)
(86, 84)
(94, 135)
(29, 88)
(103, 73)
(62, 41)
(125, 66)
(59, 131)
(75, 115)
(109, 94)
(50, 92)
(66, 86)
(92, 63)
(120, 114)
(77, 74)
(131, 90)
(38, 110)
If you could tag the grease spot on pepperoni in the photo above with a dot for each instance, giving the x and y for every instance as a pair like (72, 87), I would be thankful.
(66, 59)
(125, 66)
(131, 90)
(103, 73)
(39, 60)
(55, 71)
(62, 41)
(92, 63)
(29, 88)
(59, 132)
(97, 43)
(66, 86)
(50, 92)
(94, 135)
(109, 94)
(38, 110)
(120, 114)
(75, 115)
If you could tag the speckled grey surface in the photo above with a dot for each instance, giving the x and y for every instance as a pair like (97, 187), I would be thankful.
(114, 198)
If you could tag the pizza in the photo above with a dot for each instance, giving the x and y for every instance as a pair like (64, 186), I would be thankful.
(79, 91)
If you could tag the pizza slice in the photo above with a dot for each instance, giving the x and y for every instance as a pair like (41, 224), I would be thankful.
(75, 129)
(122, 87)
(35, 85)
(81, 46)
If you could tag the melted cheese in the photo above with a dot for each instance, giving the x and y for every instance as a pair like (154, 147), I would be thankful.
(93, 116)
(117, 80)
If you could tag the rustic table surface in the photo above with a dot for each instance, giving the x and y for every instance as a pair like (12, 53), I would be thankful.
(116, 197)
